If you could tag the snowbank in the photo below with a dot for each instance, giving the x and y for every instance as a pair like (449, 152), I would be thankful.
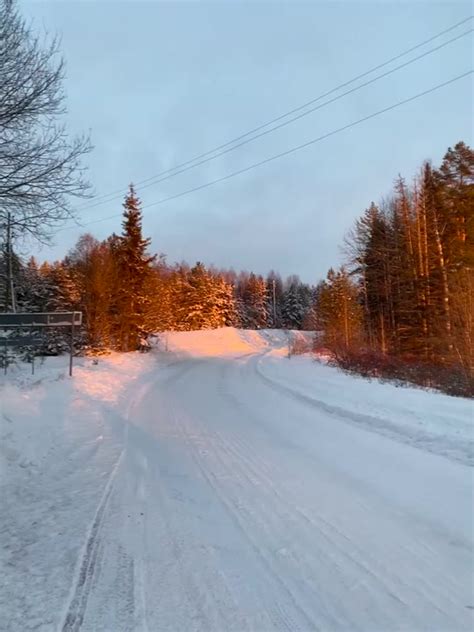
(229, 342)
(429, 420)
(60, 439)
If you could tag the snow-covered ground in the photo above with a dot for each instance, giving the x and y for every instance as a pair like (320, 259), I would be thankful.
(216, 484)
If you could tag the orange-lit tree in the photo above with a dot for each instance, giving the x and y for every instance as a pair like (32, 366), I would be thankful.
(134, 266)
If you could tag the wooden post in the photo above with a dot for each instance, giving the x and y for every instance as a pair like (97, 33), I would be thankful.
(274, 304)
(72, 347)
(11, 302)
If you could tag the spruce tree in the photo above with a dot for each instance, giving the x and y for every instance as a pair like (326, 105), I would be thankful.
(93, 266)
(205, 300)
(256, 302)
(340, 312)
(274, 285)
(133, 267)
(195, 304)
(29, 289)
(297, 301)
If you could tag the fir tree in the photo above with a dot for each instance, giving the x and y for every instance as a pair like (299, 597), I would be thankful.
(93, 265)
(274, 285)
(206, 301)
(297, 301)
(133, 264)
(255, 302)
(340, 312)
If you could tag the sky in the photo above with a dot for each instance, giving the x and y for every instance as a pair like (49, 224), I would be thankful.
(157, 83)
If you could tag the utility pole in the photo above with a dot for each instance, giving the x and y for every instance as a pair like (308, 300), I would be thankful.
(10, 289)
(274, 304)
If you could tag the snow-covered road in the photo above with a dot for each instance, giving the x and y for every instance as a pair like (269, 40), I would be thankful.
(235, 504)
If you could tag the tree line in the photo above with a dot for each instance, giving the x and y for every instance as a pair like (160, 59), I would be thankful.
(404, 302)
(126, 293)
(401, 306)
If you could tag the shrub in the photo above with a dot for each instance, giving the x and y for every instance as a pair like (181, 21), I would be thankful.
(452, 379)
(299, 344)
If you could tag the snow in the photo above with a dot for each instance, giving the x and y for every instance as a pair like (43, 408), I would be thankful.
(429, 420)
(59, 441)
(222, 485)
(228, 342)
(224, 342)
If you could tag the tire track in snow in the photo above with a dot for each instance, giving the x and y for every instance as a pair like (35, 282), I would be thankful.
(279, 615)
(337, 540)
(138, 576)
(197, 592)
(460, 453)
(85, 574)
(340, 547)
(280, 509)
(222, 454)
(86, 569)
(327, 531)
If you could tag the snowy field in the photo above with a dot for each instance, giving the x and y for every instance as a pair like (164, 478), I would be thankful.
(216, 484)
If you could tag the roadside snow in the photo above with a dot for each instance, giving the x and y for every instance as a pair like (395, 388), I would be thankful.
(224, 342)
(428, 420)
(223, 485)
(431, 421)
(59, 441)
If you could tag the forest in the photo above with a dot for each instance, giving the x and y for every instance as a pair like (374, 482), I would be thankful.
(401, 306)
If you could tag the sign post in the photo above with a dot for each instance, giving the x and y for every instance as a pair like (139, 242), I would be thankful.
(39, 320)
(71, 352)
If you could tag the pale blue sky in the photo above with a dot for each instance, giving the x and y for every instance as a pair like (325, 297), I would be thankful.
(159, 82)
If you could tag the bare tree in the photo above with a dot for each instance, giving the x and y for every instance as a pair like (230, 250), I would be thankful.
(40, 166)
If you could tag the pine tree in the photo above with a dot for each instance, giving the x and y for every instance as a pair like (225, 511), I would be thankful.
(6, 299)
(296, 303)
(161, 291)
(205, 300)
(456, 176)
(370, 247)
(414, 258)
(64, 293)
(255, 302)
(274, 285)
(93, 266)
(133, 264)
(195, 305)
(30, 288)
(225, 305)
(340, 312)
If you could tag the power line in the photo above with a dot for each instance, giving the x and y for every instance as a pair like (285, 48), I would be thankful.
(288, 151)
(299, 116)
(206, 156)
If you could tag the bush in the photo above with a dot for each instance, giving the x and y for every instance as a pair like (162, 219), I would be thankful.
(452, 379)
(298, 344)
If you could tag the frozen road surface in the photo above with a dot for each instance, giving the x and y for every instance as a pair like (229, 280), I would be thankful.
(231, 491)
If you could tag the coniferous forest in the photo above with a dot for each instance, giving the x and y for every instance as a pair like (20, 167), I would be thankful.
(403, 304)
(186, 445)
(400, 307)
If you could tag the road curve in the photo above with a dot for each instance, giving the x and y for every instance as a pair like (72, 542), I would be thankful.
(237, 506)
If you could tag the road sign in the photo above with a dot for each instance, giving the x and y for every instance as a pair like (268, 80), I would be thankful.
(21, 341)
(41, 319)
